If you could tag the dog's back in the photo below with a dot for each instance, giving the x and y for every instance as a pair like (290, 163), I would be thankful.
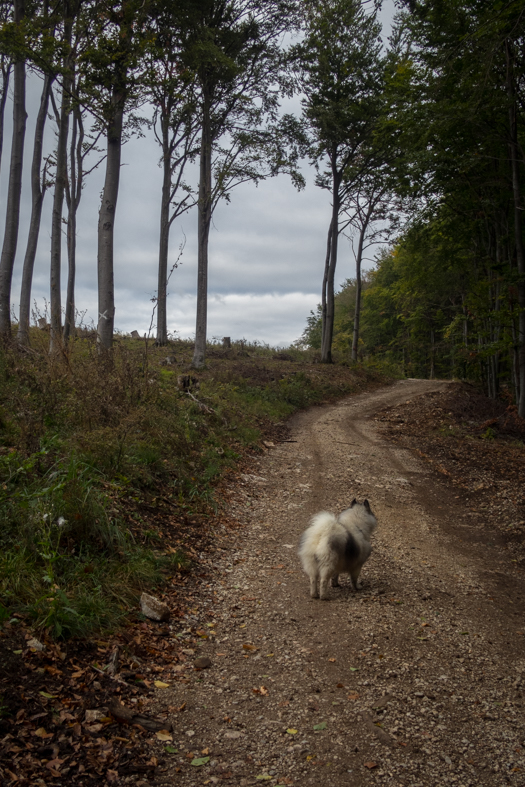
(335, 545)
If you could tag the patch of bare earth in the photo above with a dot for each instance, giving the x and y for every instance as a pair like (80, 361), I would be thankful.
(415, 680)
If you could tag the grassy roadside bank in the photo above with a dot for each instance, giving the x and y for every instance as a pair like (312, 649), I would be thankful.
(94, 451)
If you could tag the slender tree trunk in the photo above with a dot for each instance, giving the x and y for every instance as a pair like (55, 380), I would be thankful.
(106, 225)
(6, 73)
(325, 282)
(69, 317)
(12, 217)
(432, 354)
(328, 328)
(162, 318)
(58, 198)
(520, 256)
(515, 360)
(73, 195)
(518, 231)
(204, 221)
(366, 219)
(358, 288)
(38, 189)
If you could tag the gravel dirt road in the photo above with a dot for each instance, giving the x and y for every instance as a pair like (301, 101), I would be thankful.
(414, 680)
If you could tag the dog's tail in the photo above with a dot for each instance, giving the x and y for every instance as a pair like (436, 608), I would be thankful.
(320, 527)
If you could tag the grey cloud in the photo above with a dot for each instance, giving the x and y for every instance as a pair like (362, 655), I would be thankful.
(266, 248)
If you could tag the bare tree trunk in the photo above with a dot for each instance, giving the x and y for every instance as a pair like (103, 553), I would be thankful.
(162, 318)
(12, 217)
(58, 198)
(204, 221)
(328, 326)
(432, 354)
(325, 282)
(73, 195)
(6, 73)
(515, 361)
(358, 288)
(106, 224)
(518, 232)
(38, 190)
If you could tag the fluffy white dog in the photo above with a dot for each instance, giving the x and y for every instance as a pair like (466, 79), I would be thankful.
(337, 545)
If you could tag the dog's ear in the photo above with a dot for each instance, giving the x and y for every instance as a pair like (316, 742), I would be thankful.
(353, 503)
(367, 505)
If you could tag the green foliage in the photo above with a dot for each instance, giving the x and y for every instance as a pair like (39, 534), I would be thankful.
(455, 105)
(87, 440)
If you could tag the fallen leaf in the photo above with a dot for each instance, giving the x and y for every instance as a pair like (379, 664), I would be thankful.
(265, 777)
(353, 696)
(340, 685)
(354, 669)
(48, 696)
(332, 660)
(171, 750)
(291, 731)
(268, 655)
(164, 735)
(54, 764)
(200, 761)
(320, 726)
(41, 733)
(249, 647)
(161, 685)
(370, 765)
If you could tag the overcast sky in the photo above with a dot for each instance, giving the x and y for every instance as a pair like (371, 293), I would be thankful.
(267, 247)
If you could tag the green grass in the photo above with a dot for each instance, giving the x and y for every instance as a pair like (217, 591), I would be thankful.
(86, 440)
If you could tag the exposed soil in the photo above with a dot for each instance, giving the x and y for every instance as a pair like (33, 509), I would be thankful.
(414, 680)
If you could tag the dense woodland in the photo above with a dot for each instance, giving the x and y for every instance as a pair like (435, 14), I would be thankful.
(448, 297)
(419, 145)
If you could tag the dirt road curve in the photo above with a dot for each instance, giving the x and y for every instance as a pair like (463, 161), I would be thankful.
(415, 680)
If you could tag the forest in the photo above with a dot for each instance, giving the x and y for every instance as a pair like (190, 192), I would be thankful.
(446, 298)
(418, 144)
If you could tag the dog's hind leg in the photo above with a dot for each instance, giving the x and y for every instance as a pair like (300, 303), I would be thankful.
(313, 586)
(311, 568)
(323, 584)
(335, 581)
(354, 573)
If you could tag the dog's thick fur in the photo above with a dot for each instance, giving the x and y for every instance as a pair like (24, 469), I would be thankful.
(337, 545)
